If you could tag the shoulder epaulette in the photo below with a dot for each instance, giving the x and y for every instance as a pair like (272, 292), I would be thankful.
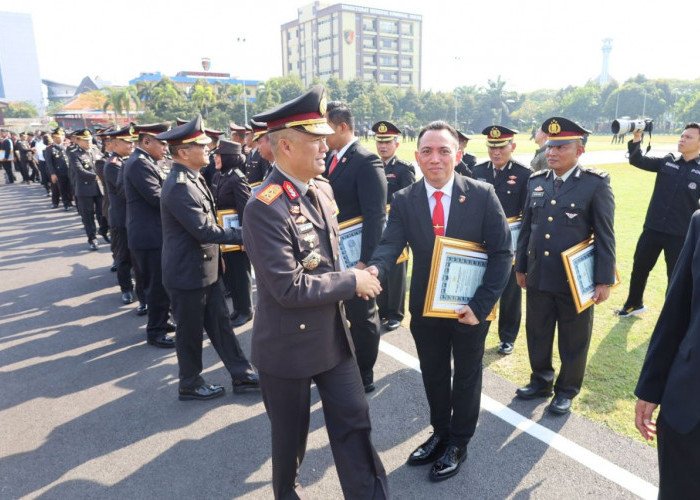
(269, 194)
(539, 172)
(595, 171)
(321, 178)
(181, 177)
(239, 173)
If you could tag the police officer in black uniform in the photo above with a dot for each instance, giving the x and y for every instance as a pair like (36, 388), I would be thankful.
(675, 198)
(566, 204)
(191, 266)
(257, 165)
(88, 189)
(399, 174)
(57, 168)
(231, 192)
(464, 167)
(509, 179)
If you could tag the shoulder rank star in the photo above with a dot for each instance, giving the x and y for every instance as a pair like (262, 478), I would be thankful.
(311, 261)
(269, 194)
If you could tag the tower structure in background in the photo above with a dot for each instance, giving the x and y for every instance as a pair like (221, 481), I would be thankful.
(604, 72)
(19, 65)
(348, 41)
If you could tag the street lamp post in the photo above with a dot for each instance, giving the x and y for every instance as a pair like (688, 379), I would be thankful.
(245, 96)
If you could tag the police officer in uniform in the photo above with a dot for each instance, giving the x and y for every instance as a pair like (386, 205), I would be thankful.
(509, 179)
(300, 332)
(259, 165)
(231, 192)
(675, 198)
(465, 165)
(88, 189)
(191, 267)
(399, 174)
(566, 205)
(57, 167)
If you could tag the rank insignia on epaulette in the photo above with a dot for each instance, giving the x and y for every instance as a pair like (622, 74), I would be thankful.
(595, 171)
(269, 194)
(539, 172)
(239, 173)
(291, 191)
(181, 178)
(390, 176)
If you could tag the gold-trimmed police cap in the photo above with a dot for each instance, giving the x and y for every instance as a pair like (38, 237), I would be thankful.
(214, 134)
(259, 129)
(306, 113)
(238, 129)
(83, 134)
(152, 128)
(498, 135)
(385, 131)
(58, 131)
(461, 136)
(127, 133)
(562, 131)
(191, 132)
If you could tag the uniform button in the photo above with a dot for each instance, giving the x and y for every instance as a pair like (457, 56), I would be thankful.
(573, 205)
(553, 202)
(302, 327)
(546, 236)
(546, 253)
(204, 256)
(550, 218)
(508, 192)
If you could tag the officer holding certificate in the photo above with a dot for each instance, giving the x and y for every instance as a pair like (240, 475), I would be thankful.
(564, 207)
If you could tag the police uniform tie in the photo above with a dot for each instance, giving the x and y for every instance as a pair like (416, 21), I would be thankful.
(313, 196)
(334, 162)
(558, 181)
(438, 215)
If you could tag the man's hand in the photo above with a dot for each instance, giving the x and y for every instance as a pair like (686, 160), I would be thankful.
(637, 135)
(601, 294)
(54, 178)
(642, 419)
(466, 316)
(366, 285)
(360, 265)
(373, 271)
(521, 278)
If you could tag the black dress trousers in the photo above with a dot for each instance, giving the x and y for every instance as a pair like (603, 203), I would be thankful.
(122, 257)
(149, 267)
(679, 462)
(392, 300)
(239, 281)
(364, 328)
(510, 310)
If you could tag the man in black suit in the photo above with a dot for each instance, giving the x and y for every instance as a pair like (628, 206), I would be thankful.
(300, 332)
(192, 265)
(445, 204)
(670, 377)
(359, 186)
(566, 204)
(141, 179)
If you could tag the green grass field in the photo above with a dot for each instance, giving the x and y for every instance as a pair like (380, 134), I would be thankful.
(618, 345)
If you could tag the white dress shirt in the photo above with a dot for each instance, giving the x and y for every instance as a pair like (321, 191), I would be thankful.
(446, 197)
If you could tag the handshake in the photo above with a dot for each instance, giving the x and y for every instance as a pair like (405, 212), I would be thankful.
(366, 281)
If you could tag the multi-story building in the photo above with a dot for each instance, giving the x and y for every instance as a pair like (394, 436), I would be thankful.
(348, 41)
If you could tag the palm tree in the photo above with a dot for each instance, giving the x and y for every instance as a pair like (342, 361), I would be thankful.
(115, 100)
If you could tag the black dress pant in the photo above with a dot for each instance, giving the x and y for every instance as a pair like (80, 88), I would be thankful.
(198, 310)
(149, 267)
(90, 207)
(679, 462)
(346, 412)
(545, 311)
(649, 247)
(122, 257)
(364, 328)
(392, 301)
(22, 168)
(454, 401)
(64, 188)
(45, 178)
(510, 310)
(239, 281)
(7, 165)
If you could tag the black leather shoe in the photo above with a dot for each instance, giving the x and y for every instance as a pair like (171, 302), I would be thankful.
(392, 325)
(505, 348)
(164, 341)
(93, 245)
(105, 235)
(142, 309)
(428, 451)
(114, 267)
(54, 205)
(449, 463)
(369, 387)
(247, 383)
(127, 297)
(170, 327)
(241, 319)
(532, 391)
(560, 405)
(204, 391)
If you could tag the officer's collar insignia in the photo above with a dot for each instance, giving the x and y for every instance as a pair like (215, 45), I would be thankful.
(495, 133)
(554, 128)
(539, 188)
(269, 194)
(294, 210)
(462, 199)
(181, 177)
(291, 191)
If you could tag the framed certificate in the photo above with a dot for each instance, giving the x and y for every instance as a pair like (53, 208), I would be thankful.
(579, 263)
(350, 244)
(515, 223)
(229, 218)
(255, 188)
(456, 271)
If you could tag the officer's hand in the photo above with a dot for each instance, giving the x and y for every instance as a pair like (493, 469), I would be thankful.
(642, 419)
(360, 265)
(637, 135)
(54, 178)
(373, 271)
(466, 316)
(366, 285)
(521, 278)
(602, 292)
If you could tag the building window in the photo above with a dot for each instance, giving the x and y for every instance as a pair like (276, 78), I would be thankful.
(369, 59)
(406, 78)
(388, 77)
(369, 24)
(406, 61)
(407, 45)
(369, 43)
(388, 60)
(407, 29)
(368, 76)
(389, 43)
(389, 26)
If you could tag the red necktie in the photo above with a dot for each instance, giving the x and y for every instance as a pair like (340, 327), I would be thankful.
(334, 162)
(438, 215)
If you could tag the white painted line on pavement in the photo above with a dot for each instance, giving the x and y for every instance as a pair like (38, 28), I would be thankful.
(596, 463)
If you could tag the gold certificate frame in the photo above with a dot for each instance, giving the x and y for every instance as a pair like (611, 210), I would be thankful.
(350, 243)
(515, 223)
(456, 271)
(229, 218)
(579, 261)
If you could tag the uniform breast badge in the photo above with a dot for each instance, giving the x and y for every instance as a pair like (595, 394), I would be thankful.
(311, 261)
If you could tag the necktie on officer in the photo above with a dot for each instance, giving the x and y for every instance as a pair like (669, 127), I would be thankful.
(334, 162)
(558, 181)
(313, 196)
(438, 215)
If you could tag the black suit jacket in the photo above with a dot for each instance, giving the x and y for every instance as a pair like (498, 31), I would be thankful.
(231, 191)
(671, 371)
(475, 215)
(115, 192)
(82, 164)
(359, 187)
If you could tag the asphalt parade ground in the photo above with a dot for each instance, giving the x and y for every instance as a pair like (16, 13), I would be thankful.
(89, 410)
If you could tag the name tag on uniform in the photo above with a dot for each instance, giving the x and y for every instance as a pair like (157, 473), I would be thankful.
(695, 171)
(305, 228)
(672, 165)
(537, 194)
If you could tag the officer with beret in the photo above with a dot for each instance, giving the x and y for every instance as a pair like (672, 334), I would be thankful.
(231, 192)
(465, 165)
(566, 205)
(191, 267)
(300, 332)
(399, 174)
(88, 190)
(509, 179)
(57, 168)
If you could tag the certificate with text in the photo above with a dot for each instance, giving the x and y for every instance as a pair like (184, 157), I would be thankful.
(226, 219)
(579, 263)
